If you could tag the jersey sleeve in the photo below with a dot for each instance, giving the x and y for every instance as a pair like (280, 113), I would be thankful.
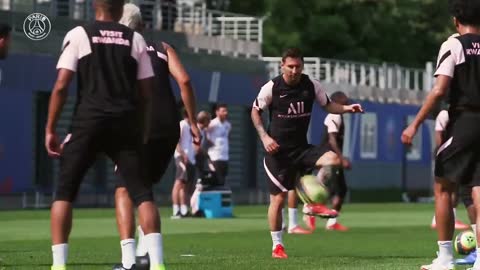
(450, 55)
(75, 45)
(441, 121)
(320, 94)
(140, 54)
(333, 123)
(264, 98)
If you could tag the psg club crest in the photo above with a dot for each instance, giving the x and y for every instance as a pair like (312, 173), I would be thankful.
(37, 26)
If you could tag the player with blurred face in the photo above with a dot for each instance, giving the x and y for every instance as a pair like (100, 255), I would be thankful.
(5, 37)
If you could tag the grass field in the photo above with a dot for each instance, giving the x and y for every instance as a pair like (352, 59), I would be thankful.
(382, 236)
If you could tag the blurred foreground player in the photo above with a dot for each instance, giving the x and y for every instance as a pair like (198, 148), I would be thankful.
(5, 38)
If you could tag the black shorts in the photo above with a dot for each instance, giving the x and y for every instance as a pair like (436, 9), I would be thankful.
(284, 167)
(120, 140)
(337, 185)
(221, 171)
(458, 159)
(157, 154)
(184, 172)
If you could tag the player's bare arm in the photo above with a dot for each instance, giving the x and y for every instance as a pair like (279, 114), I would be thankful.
(181, 76)
(270, 145)
(336, 108)
(57, 100)
(436, 94)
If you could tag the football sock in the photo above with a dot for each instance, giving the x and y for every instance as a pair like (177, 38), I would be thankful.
(154, 244)
(434, 220)
(331, 221)
(276, 238)
(476, 265)
(292, 218)
(455, 213)
(141, 248)
(445, 252)
(176, 209)
(128, 252)
(60, 253)
(474, 229)
(183, 209)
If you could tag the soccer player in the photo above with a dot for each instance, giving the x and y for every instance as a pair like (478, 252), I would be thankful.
(458, 158)
(110, 60)
(185, 168)
(289, 99)
(163, 137)
(5, 37)
(218, 134)
(333, 137)
(440, 136)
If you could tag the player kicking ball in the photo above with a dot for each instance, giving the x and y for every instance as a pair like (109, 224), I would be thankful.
(289, 99)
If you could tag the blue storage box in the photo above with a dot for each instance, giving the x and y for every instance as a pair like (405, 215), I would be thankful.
(216, 203)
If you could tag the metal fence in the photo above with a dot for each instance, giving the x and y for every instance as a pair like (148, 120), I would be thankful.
(386, 78)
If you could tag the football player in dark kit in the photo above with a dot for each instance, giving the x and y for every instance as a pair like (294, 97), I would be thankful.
(289, 99)
(114, 75)
(162, 138)
(458, 158)
(5, 38)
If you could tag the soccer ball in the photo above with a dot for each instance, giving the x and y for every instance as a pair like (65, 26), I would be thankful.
(311, 191)
(465, 242)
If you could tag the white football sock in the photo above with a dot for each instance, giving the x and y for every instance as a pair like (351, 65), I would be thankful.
(455, 213)
(284, 224)
(183, 209)
(141, 247)
(276, 238)
(331, 222)
(476, 265)
(292, 218)
(176, 209)
(445, 252)
(434, 220)
(474, 229)
(154, 244)
(128, 252)
(60, 254)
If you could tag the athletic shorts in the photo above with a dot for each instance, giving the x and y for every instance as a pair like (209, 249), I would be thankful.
(284, 167)
(184, 172)
(157, 154)
(120, 139)
(458, 159)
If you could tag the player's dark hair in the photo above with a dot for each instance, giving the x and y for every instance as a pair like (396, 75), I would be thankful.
(292, 53)
(5, 30)
(220, 105)
(466, 11)
(338, 96)
(111, 5)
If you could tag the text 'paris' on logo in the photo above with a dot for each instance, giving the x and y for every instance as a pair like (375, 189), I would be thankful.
(36, 26)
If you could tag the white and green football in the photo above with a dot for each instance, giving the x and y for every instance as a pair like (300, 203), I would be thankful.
(465, 242)
(311, 191)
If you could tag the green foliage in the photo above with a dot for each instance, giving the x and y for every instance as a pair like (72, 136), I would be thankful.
(407, 32)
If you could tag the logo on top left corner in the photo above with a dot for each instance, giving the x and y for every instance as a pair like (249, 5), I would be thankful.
(37, 26)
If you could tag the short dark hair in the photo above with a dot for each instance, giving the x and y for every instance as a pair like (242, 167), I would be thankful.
(338, 95)
(111, 4)
(466, 11)
(221, 105)
(5, 30)
(292, 53)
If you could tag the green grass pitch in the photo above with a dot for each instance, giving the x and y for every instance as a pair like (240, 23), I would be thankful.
(382, 236)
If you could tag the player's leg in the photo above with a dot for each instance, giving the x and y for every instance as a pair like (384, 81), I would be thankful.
(339, 191)
(124, 147)
(465, 193)
(318, 157)
(459, 225)
(221, 171)
(476, 206)
(124, 212)
(178, 186)
(293, 227)
(74, 163)
(277, 177)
